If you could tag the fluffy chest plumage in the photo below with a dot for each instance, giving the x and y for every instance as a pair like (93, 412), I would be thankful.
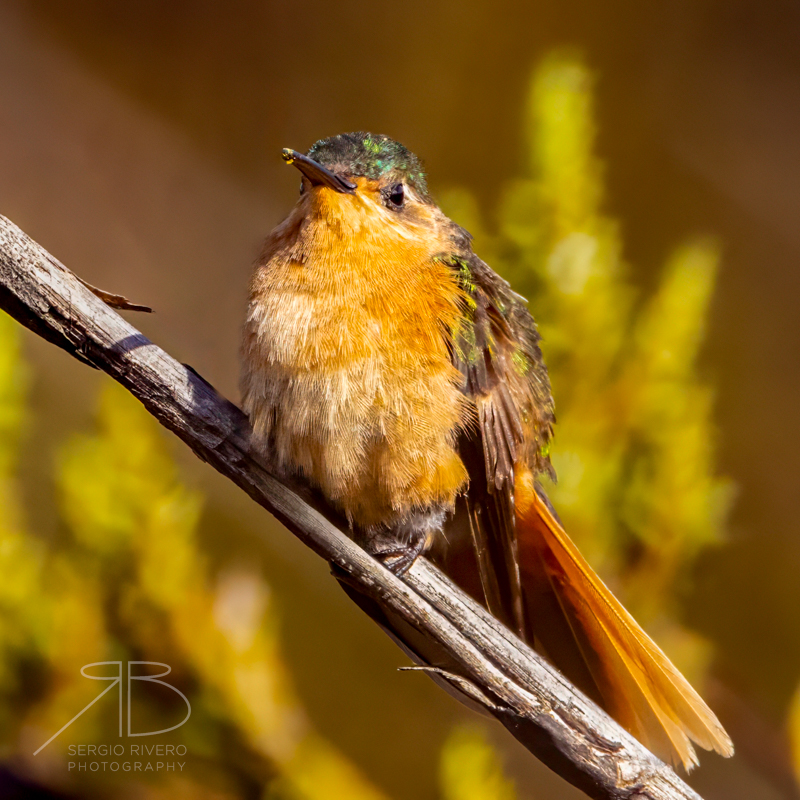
(347, 370)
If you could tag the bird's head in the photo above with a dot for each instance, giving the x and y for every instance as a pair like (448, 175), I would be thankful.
(363, 178)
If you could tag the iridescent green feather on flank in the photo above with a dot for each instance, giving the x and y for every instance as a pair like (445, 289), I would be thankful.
(496, 348)
(521, 362)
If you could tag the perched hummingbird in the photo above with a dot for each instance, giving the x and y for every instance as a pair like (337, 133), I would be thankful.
(394, 370)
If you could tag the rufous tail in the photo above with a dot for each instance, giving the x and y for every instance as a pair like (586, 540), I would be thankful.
(580, 620)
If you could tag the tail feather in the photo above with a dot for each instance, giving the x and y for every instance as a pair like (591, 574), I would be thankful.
(638, 684)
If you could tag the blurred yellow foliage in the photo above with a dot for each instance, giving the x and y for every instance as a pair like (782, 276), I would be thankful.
(20, 557)
(634, 446)
(470, 768)
(793, 724)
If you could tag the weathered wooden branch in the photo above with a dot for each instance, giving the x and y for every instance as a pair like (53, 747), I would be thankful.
(493, 667)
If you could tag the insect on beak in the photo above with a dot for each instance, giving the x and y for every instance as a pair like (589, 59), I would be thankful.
(316, 173)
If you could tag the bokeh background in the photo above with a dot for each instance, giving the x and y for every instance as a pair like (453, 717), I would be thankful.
(634, 168)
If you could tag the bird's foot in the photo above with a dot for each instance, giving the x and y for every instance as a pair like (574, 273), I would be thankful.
(399, 545)
(397, 553)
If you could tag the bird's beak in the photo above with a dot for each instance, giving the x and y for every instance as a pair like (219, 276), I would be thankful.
(316, 173)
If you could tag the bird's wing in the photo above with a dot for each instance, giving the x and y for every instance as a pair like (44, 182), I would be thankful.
(495, 347)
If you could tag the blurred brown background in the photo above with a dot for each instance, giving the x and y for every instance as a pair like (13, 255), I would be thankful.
(139, 143)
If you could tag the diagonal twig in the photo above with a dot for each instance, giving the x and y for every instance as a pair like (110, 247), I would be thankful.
(490, 664)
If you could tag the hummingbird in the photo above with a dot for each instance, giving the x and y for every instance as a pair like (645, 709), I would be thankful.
(391, 368)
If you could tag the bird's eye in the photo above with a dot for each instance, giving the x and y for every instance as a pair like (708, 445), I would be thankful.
(302, 187)
(396, 196)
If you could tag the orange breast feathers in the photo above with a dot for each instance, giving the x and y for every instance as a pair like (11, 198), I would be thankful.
(346, 364)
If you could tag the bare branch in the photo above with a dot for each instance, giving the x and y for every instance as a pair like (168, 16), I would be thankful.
(489, 664)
